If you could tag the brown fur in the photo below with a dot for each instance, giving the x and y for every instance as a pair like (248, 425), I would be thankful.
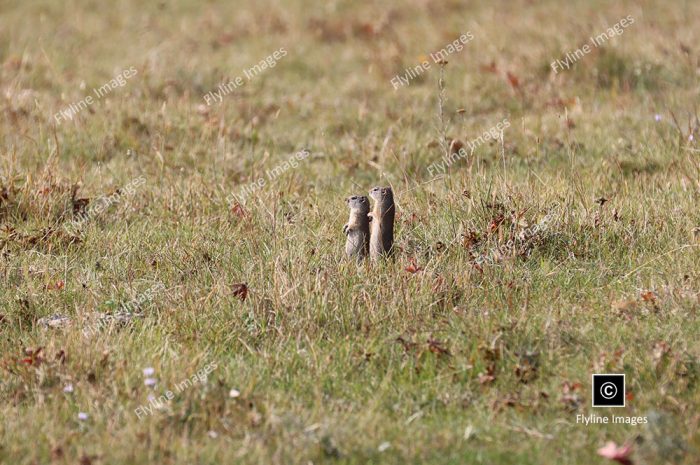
(357, 228)
(381, 241)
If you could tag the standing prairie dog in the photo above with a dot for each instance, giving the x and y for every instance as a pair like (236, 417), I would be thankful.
(382, 234)
(357, 228)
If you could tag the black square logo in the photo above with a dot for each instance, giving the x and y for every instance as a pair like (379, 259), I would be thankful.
(608, 390)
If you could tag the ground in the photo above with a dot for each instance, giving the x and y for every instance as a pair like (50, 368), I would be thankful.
(173, 285)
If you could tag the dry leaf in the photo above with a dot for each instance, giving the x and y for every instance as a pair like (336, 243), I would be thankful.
(437, 347)
(238, 210)
(485, 378)
(620, 454)
(513, 80)
(240, 290)
(413, 267)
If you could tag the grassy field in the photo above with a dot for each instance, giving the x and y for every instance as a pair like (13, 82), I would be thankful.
(173, 286)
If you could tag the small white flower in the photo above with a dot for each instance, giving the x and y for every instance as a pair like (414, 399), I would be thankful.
(213, 434)
(691, 138)
(150, 397)
(148, 371)
(82, 416)
(233, 393)
(68, 388)
(657, 117)
(383, 446)
(150, 381)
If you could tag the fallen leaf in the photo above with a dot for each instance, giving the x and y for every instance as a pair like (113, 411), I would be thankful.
(456, 146)
(570, 397)
(469, 239)
(57, 286)
(513, 80)
(437, 347)
(620, 454)
(79, 205)
(57, 453)
(413, 267)
(238, 210)
(33, 357)
(240, 290)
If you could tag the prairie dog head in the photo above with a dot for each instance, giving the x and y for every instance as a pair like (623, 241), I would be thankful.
(383, 195)
(358, 203)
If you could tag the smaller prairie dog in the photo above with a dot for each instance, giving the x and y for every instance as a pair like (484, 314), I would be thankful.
(382, 234)
(357, 228)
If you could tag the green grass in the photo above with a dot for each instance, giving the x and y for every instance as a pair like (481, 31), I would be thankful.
(484, 355)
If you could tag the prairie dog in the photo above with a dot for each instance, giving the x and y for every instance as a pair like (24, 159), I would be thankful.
(382, 234)
(357, 228)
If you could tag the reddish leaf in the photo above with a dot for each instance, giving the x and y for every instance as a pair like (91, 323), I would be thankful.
(240, 290)
(620, 454)
(456, 147)
(438, 347)
(57, 286)
(568, 387)
(413, 267)
(513, 80)
(238, 210)
(496, 223)
(33, 358)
